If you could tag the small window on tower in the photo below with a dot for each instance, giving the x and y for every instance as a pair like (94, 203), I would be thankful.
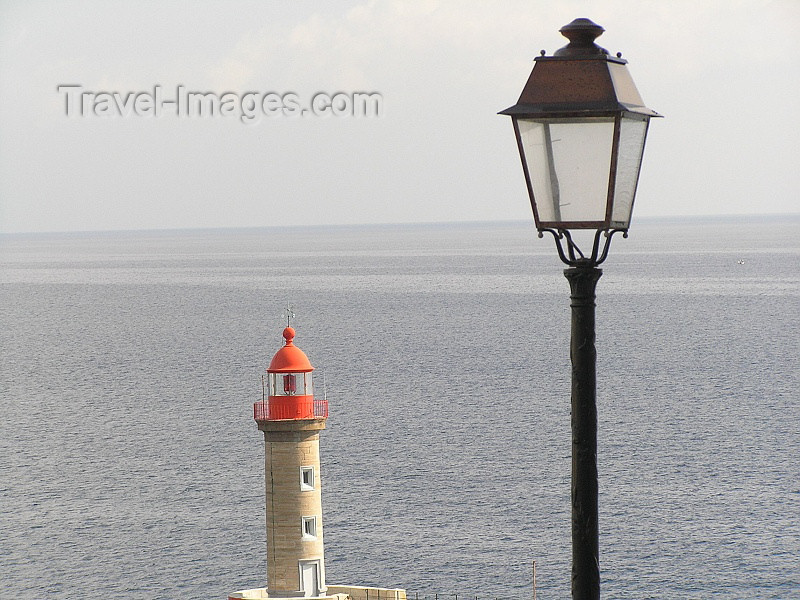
(307, 478)
(309, 528)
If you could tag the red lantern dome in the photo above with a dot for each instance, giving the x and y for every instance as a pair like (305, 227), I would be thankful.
(290, 357)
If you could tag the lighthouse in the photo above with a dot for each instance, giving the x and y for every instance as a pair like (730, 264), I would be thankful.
(291, 419)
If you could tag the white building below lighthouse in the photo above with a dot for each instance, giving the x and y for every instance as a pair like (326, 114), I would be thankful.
(291, 419)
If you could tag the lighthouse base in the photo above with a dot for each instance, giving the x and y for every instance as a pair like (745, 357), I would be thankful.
(262, 594)
(334, 592)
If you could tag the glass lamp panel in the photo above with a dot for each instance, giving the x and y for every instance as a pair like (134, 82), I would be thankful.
(569, 162)
(629, 160)
(273, 384)
(539, 165)
(290, 384)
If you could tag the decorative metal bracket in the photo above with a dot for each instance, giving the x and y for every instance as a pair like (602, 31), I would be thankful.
(573, 255)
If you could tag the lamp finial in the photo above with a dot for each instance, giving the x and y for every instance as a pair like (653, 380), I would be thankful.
(581, 34)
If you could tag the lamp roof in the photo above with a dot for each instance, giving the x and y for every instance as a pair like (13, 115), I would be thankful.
(580, 79)
(289, 359)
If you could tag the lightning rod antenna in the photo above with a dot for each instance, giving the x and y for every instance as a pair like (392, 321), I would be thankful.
(288, 313)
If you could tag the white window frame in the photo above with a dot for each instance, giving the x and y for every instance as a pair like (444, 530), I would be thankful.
(308, 487)
(308, 527)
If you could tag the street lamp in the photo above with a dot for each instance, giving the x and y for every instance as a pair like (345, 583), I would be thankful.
(581, 126)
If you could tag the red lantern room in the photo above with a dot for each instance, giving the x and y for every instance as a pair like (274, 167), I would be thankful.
(287, 389)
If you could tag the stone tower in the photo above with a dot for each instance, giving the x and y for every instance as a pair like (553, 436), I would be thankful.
(291, 420)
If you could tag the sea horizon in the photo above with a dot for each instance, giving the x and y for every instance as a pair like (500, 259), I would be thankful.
(665, 219)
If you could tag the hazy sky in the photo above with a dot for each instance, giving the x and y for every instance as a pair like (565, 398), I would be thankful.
(724, 73)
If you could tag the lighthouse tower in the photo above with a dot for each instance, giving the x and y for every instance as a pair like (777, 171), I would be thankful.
(291, 420)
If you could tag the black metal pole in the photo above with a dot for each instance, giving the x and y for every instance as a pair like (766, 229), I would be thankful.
(585, 545)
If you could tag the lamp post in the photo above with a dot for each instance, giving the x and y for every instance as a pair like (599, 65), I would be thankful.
(581, 126)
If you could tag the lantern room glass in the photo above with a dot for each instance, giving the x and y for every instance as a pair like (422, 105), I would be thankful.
(290, 384)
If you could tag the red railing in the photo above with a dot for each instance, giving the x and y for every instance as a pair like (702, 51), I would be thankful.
(321, 408)
(262, 412)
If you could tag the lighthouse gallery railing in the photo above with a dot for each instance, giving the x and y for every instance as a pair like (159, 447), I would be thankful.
(261, 411)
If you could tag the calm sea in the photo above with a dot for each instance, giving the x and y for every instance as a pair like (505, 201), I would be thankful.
(130, 466)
